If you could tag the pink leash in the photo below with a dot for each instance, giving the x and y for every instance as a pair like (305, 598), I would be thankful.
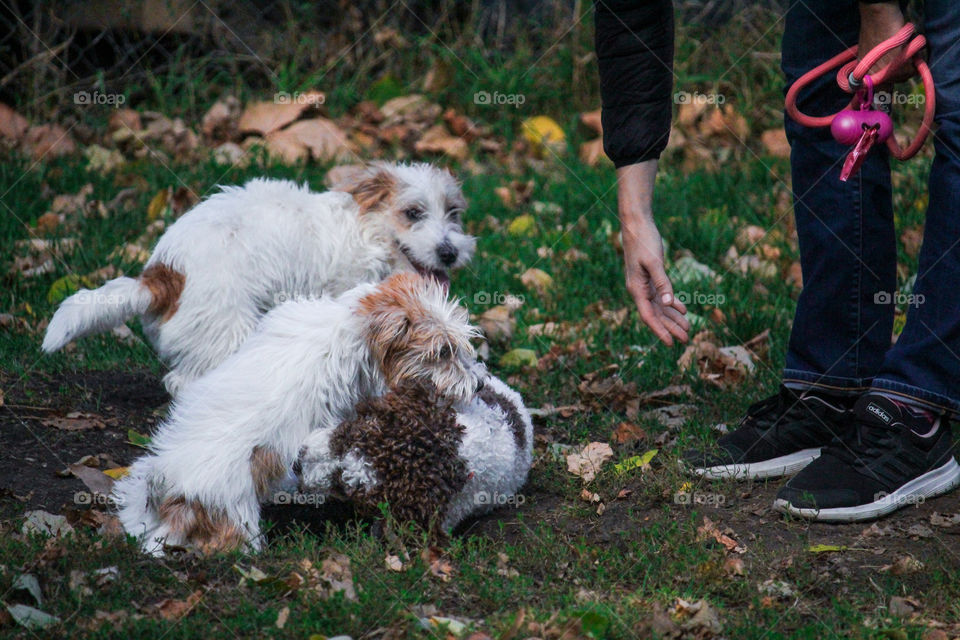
(860, 124)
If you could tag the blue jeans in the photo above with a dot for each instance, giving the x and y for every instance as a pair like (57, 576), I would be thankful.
(841, 337)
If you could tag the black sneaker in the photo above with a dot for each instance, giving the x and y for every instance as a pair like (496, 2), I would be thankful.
(892, 459)
(778, 437)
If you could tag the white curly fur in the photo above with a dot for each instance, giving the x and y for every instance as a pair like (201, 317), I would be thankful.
(304, 369)
(246, 249)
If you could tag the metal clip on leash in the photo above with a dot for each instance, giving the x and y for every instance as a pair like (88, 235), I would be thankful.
(860, 124)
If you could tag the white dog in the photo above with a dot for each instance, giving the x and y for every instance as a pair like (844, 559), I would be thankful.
(235, 431)
(433, 462)
(220, 267)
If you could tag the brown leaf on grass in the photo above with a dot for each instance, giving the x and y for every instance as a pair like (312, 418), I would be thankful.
(759, 345)
(749, 236)
(672, 416)
(721, 366)
(219, 123)
(537, 280)
(725, 123)
(172, 610)
(588, 461)
(49, 141)
(795, 275)
(439, 566)
(393, 562)
(462, 126)
(438, 140)
(627, 432)
(337, 577)
(516, 193)
(733, 566)
(75, 421)
(497, 323)
(912, 239)
(286, 148)
(696, 619)
(267, 117)
(282, 618)
(124, 119)
(606, 389)
(13, 126)
(901, 607)
(413, 110)
(709, 530)
(902, 566)
(775, 142)
(96, 481)
(322, 137)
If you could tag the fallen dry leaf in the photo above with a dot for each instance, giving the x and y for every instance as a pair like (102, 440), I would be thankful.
(75, 421)
(721, 366)
(537, 280)
(282, 618)
(13, 126)
(709, 530)
(627, 432)
(322, 138)
(912, 239)
(775, 142)
(439, 566)
(220, 122)
(170, 609)
(49, 141)
(393, 562)
(438, 140)
(266, 117)
(96, 481)
(588, 461)
(497, 323)
(124, 119)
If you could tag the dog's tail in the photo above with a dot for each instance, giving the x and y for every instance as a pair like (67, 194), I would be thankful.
(92, 311)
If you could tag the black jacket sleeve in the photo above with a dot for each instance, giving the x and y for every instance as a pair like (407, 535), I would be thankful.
(634, 42)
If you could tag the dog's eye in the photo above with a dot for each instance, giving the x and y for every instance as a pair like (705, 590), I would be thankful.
(445, 352)
(413, 213)
(454, 213)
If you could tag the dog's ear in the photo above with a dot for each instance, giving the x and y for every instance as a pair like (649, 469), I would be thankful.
(371, 187)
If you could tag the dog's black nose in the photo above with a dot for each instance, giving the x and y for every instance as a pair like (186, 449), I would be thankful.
(447, 253)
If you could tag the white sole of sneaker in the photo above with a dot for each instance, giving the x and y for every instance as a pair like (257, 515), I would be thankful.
(931, 484)
(774, 468)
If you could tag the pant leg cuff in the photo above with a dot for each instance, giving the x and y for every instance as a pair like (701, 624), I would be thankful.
(835, 385)
(927, 399)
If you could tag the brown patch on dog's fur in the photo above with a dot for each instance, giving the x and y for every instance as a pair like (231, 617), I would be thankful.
(266, 467)
(210, 533)
(493, 399)
(373, 192)
(412, 440)
(394, 308)
(165, 285)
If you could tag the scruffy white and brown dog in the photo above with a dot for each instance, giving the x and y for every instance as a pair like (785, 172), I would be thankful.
(235, 431)
(433, 461)
(237, 254)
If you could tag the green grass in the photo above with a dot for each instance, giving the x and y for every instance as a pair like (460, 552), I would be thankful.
(610, 572)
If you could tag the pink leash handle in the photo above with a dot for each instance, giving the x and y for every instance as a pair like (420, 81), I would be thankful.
(851, 68)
